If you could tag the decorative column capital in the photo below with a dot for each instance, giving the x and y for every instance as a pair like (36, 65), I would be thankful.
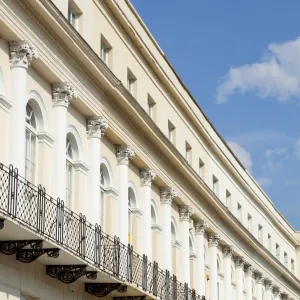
(249, 270)
(167, 194)
(268, 285)
(259, 279)
(240, 262)
(228, 251)
(213, 240)
(276, 292)
(22, 53)
(185, 212)
(124, 154)
(147, 175)
(62, 93)
(200, 227)
(96, 126)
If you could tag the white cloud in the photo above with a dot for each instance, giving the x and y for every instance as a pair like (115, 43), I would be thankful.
(297, 148)
(264, 181)
(276, 75)
(242, 154)
(292, 182)
(275, 151)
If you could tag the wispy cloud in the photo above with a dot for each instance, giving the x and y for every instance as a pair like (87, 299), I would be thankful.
(292, 182)
(297, 148)
(242, 154)
(275, 152)
(264, 181)
(277, 75)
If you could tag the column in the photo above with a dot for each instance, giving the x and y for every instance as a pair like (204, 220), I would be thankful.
(200, 263)
(239, 270)
(227, 253)
(259, 285)
(249, 274)
(167, 194)
(124, 154)
(62, 93)
(213, 242)
(96, 127)
(276, 293)
(269, 289)
(147, 175)
(21, 55)
(185, 212)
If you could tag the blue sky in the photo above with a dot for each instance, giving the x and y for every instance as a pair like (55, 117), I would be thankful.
(241, 61)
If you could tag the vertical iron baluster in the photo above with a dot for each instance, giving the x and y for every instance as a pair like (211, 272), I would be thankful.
(129, 262)
(116, 256)
(13, 190)
(167, 285)
(174, 281)
(193, 294)
(144, 272)
(155, 275)
(38, 209)
(59, 221)
(97, 253)
(186, 291)
(82, 235)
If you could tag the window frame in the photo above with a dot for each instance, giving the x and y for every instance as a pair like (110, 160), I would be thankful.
(69, 163)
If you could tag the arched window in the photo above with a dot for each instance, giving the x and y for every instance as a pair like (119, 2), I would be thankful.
(153, 216)
(105, 183)
(131, 206)
(31, 144)
(69, 173)
(173, 232)
(191, 245)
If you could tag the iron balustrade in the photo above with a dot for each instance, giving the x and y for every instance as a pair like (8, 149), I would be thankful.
(33, 208)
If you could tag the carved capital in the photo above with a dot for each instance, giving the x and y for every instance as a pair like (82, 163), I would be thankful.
(147, 175)
(240, 262)
(124, 154)
(228, 251)
(22, 54)
(63, 93)
(185, 212)
(213, 240)
(276, 292)
(268, 285)
(200, 227)
(167, 194)
(259, 279)
(249, 270)
(96, 127)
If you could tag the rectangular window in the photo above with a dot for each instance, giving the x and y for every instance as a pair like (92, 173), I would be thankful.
(250, 223)
(239, 212)
(171, 129)
(73, 15)
(188, 153)
(131, 83)
(201, 168)
(278, 251)
(105, 51)
(292, 266)
(215, 185)
(151, 107)
(228, 199)
(286, 262)
(270, 242)
(260, 233)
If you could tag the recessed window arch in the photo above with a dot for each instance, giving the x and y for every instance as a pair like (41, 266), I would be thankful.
(105, 184)
(173, 231)
(34, 124)
(132, 204)
(153, 216)
(191, 244)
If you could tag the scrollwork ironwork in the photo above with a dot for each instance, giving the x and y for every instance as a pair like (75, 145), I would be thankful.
(2, 223)
(30, 255)
(103, 289)
(12, 247)
(69, 274)
(130, 298)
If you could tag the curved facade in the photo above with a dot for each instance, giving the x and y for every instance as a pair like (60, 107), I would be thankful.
(92, 110)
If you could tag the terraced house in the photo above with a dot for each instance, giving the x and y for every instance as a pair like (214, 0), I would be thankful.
(113, 182)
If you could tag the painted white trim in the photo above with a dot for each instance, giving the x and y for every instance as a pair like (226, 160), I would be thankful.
(45, 137)
(157, 228)
(80, 166)
(155, 210)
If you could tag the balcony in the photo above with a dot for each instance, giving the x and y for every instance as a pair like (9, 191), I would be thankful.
(34, 226)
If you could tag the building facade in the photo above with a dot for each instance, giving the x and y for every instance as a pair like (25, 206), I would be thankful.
(113, 182)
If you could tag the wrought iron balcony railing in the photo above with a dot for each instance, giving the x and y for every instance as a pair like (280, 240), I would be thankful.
(34, 209)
